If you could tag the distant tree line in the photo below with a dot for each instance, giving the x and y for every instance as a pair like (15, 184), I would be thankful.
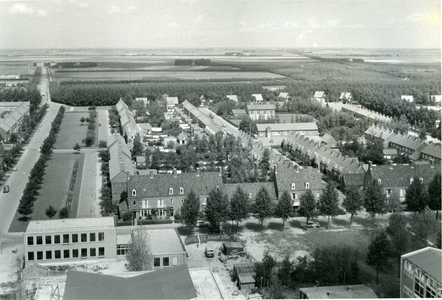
(196, 62)
(76, 64)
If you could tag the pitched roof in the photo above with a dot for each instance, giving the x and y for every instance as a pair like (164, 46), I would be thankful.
(172, 100)
(239, 111)
(353, 179)
(283, 95)
(287, 126)
(436, 98)
(364, 112)
(167, 283)
(408, 98)
(232, 97)
(285, 178)
(251, 189)
(400, 175)
(319, 94)
(329, 140)
(428, 259)
(158, 185)
(410, 142)
(432, 150)
(345, 96)
(120, 156)
(258, 97)
(260, 107)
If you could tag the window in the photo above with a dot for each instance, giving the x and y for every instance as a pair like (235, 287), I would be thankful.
(66, 253)
(165, 261)
(174, 260)
(411, 180)
(145, 204)
(84, 237)
(431, 293)
(307, 185)
(57, 254)
(75, 238)
(317, 195)
(160, 203)
(170, 191)
(293, 186)
(30, 255)
(419, 288)
(48, 254)
(30, 240)
(250, 195)
(294, 196)
(92, 252)
(388, 192)
(134, 192)
(57, 239)
(83, 252)
(65, 238)
(75, 253)
(181, 190)
(379, 181)
(39, 255)
(421, 180)
(156, 262)
(101, 236)
(171, 201)
(48, 239)
(39, 240)
(182, 201)
(101, 251)
(92, 237)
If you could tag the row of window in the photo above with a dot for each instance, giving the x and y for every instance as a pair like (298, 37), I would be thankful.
(295, 196)
(306, 185)
(160, 203)
(166, 261)
(421, 180)
(66, 253)
(65, 238)
(134, 191)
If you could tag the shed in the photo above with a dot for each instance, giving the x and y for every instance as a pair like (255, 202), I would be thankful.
(246, 282)
(232, 248)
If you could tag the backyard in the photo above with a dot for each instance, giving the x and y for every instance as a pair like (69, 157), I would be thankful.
(59, 184)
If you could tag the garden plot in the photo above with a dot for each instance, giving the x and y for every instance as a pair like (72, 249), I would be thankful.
(71, 130)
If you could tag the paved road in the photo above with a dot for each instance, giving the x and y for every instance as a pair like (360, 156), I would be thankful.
(18, 179)
(88, 193)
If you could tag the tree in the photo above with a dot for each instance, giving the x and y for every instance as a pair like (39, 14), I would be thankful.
(51, 211)
(217, 209)
(352, 202)
(374, 200)
(13, 137)
(434, 194)
(139, 256)
(378, 254)
(82, 120)
(64, 213)
(416, 196)
(263, 206)
(422, 224)
(263, 271)
(264, 164)
(77, 147)
(308, 206)
(102, 144)
(190, 209)
(285, 270)
(137, 148)
(284, 207)
(329, 202)
(399, 236)
(239, 206)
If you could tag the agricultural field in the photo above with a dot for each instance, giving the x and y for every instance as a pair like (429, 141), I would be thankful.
(71, 130)
(172, 74)
(15, 70)
(58, 185)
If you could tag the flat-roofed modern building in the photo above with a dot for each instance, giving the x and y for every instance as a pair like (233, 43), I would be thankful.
(261, 111)
(70, 240)
(421, 274)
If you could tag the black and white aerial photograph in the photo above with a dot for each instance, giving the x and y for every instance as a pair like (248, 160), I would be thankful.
(220, 149)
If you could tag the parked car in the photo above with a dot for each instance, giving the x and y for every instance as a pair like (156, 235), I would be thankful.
(6, 189)
(210, 250)
(202, 223)
(310, 224)
(14, 169)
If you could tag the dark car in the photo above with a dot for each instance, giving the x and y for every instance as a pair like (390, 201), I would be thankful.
(6, 189)
(310, 224)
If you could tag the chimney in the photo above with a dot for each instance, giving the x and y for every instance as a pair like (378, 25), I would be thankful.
(151, 174)
(275, 169)
(198, 171)
(220, 171)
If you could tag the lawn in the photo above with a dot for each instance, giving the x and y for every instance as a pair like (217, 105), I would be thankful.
(71, 130)
(55, 188)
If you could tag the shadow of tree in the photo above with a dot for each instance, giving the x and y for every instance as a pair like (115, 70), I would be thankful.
(256, 227)
(341, 222)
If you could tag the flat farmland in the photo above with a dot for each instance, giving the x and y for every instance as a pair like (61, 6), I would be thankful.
(55, 188)
(138, 75)
(15, 70)
(71, 130)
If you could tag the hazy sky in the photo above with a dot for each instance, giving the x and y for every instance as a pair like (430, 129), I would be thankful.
(214, 23)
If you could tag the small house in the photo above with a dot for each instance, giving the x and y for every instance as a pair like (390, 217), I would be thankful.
(258, 97)
(408, 98)
(229, 248)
